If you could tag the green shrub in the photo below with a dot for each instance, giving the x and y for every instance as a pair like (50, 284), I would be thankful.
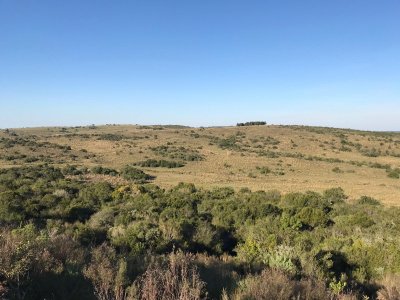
(111, 137)
(365, 200)
(228, 143)
(357, 219)
(73, 170)
(134, 174)
(153, 163)
(335, 195)
(179, 153)
(312, 217)
(371, 152)
(264, 170)
(104, 171)
(337, 170)
(393, 173)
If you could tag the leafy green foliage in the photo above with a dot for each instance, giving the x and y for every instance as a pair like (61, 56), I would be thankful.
(179, 153)
(111, 137)
(104, 171)
(134, 174)
(365, 200)
(228, 143)
(102, 237)
(393, 173)
(162, 163)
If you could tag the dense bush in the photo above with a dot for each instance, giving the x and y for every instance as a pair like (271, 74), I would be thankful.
(104, 171)
(273, 284)
(393, 173)
(115, 241)
(154, 163)
(373, 152)
(227, 143)
(73, 170)
(134, 174)
(368, 200)
(111, 137)
(179, 153)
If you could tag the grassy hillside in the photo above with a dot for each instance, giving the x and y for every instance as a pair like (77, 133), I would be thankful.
(286, 158)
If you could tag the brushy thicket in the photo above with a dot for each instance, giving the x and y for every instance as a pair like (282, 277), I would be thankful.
(62, 238)
(160, 163)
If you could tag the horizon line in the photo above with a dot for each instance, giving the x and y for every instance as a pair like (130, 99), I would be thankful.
(189, 126)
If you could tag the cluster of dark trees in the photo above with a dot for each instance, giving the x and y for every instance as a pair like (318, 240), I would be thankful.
(253, 123)
(65, 238)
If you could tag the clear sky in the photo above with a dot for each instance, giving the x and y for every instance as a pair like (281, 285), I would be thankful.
(210, 62)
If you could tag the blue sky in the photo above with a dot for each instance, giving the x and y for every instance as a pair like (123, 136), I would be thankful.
(332, 63)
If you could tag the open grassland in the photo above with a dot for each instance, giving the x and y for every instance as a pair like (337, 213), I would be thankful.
(286, 158)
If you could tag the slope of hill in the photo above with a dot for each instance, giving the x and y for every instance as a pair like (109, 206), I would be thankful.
(287, 158)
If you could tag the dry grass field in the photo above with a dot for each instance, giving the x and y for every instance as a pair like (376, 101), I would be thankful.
(286, 158)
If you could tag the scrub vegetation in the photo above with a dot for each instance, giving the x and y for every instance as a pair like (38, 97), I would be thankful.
(170, 212)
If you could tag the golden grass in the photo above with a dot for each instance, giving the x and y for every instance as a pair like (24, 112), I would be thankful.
(232, 167)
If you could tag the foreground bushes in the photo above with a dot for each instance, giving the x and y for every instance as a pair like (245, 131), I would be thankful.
(115, 241)
(177, 278)
(273, 284)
